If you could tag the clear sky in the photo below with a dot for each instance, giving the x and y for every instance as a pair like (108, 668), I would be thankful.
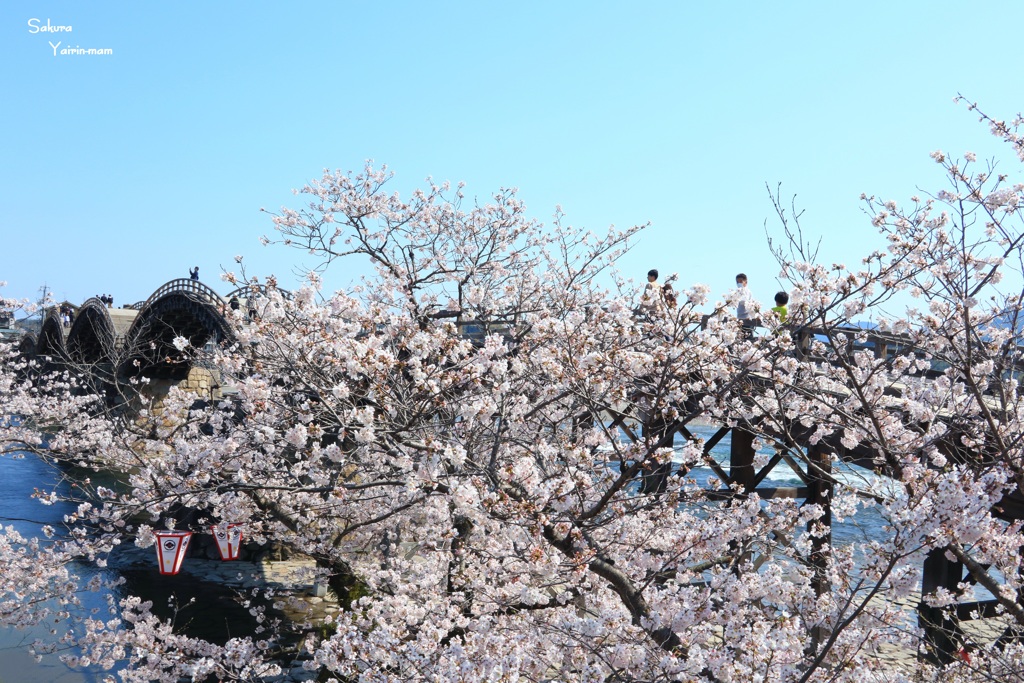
(120, 171)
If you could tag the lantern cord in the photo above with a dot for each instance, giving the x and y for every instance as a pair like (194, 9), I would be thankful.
(201, 529)
(30, 521)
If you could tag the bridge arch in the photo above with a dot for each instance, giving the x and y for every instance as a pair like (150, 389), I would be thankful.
(28, 345)
(253, 299)
(92, 339)
(255, 290)
(179, 308)
(50, 344)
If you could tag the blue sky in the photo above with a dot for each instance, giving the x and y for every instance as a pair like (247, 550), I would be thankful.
(119, 172)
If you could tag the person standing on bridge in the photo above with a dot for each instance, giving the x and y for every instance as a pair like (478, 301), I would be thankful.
(781, 308)
(193, 274)
(744, 306)
(669, 294)
(652, 300)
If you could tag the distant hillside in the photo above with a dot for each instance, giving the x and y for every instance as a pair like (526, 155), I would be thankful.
(32, 325)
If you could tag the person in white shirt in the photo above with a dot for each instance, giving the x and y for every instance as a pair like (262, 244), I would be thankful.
(744, 309)
(652, 302)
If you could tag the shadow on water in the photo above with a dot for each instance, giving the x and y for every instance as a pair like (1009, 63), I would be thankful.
(198, 608)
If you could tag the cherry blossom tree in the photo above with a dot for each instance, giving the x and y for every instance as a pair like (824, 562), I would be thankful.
(478, 447)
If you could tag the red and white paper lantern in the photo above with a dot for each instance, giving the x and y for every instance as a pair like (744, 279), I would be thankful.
(229, 540)
(170, 549)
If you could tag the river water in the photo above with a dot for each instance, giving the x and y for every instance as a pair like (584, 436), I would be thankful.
(18, 479)
(866, 525)
(215, 614)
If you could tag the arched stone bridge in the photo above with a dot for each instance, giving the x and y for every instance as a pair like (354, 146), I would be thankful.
(117, 343)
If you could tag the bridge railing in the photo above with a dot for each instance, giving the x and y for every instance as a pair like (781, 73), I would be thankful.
(883, 345)
(257, 290)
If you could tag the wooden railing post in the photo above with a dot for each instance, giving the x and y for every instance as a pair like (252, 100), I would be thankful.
(819, 492)
(741, 471)
(942, 633)
(802, 342)
(881, 348)
(741, 458)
